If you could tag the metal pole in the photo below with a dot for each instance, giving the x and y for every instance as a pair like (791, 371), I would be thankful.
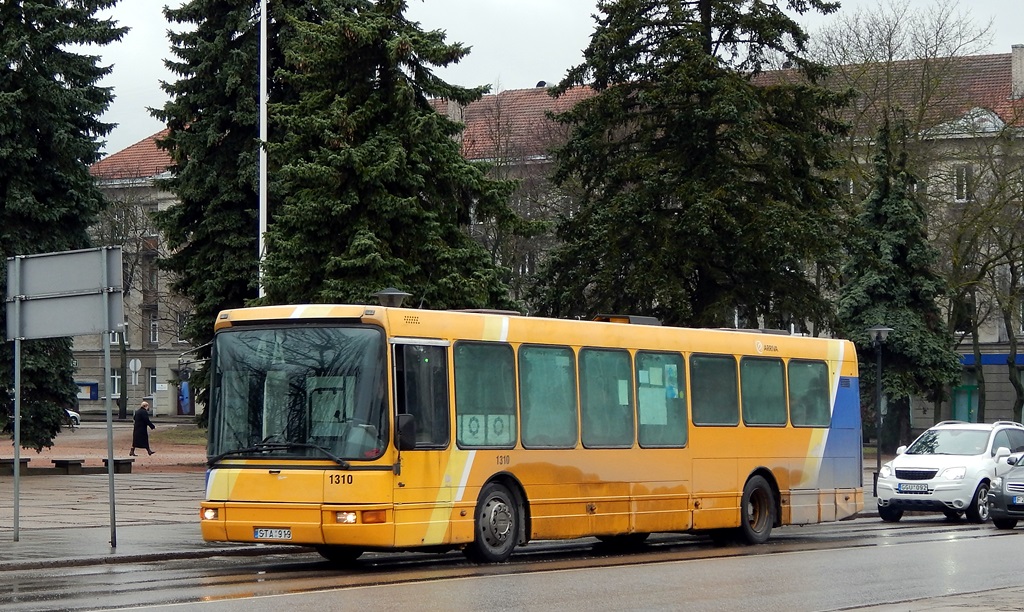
(263, 144)
(109, 324)
(15, 281)
(17, 426)
(878, 413)
(110, 439)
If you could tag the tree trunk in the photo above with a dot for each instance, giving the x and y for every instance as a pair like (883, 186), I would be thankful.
(937, 406)
(896, 425)
(979, 371)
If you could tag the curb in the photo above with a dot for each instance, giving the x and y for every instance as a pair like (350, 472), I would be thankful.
(113, 559)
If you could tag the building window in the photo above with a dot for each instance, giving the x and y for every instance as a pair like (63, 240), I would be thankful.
(154, 328)
(115, 383)
(151, 377)
(182, 323)
(116, 337)
(963, 315)
(964, 183)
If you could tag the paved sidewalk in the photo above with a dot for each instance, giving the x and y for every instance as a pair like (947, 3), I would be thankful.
(65, 520)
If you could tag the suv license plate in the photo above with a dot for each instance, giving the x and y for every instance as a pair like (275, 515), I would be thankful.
(1018, 500)
(264, 533)
(916, 487)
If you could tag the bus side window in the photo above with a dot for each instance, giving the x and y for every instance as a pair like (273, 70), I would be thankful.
(606, 398)
(422, 391)
(661, 399)
(714, 390)
(808, 393)
(485, 394)
(547, 396)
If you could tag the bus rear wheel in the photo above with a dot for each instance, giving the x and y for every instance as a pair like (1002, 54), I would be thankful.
(342, 555)
(497, 521)
(757, 511)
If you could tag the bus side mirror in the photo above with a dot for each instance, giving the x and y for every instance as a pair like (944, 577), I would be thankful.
(406, 438)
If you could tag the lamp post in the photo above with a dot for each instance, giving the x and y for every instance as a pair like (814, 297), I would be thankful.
(261, 254)
(877, 335)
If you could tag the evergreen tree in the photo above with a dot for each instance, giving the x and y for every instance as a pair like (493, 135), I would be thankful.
(890, 280)
(370, 186)
(704, 193)
(212, 118)
(50, 106)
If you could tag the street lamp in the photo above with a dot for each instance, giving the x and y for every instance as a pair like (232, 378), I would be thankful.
(877, 335)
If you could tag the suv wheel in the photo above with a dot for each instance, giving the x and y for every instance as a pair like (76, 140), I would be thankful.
(890, 514)
(977, 512)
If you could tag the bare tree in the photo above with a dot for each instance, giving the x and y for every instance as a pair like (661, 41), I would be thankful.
(510, 130)
(898, 59)
(911, 63)
(150, 308)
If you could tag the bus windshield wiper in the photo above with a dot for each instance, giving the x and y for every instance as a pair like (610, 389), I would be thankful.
(276, 446)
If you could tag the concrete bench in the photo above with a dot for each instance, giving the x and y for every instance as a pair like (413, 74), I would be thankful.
(70, 466)
(122, 465)
(7, 465)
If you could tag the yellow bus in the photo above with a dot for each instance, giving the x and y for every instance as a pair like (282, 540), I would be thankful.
(352, 428)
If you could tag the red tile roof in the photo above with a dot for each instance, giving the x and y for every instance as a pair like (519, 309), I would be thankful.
(957, 86)
(141, 160)
(512, 124)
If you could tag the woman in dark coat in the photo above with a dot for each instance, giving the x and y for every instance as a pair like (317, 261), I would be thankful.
(140, 433)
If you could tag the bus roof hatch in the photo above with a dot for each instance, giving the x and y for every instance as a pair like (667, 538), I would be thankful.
(631, 319)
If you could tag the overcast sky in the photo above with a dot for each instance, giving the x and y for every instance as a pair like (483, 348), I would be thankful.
(515, 44)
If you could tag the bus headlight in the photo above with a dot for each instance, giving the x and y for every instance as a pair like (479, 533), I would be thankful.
(345, 518)
(208, 514)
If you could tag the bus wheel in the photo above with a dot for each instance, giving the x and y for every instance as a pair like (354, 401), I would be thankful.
(757, 510)
(497, 525)
(342, 555)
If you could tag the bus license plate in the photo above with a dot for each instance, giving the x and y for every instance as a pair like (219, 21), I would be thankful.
(1018, 500)
(917, 487)
(265, 533)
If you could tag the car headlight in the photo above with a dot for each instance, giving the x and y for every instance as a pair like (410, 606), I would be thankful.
(954, 473)
(997, 483)
(885, 472)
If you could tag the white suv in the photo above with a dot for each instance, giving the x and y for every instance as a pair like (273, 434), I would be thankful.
(948, 469)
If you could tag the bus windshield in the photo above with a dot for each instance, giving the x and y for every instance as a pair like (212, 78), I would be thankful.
(314, 392)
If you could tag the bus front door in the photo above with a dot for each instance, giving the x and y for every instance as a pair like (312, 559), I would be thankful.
(423, 495)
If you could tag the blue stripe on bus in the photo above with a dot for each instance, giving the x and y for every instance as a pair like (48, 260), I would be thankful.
(845, 436)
